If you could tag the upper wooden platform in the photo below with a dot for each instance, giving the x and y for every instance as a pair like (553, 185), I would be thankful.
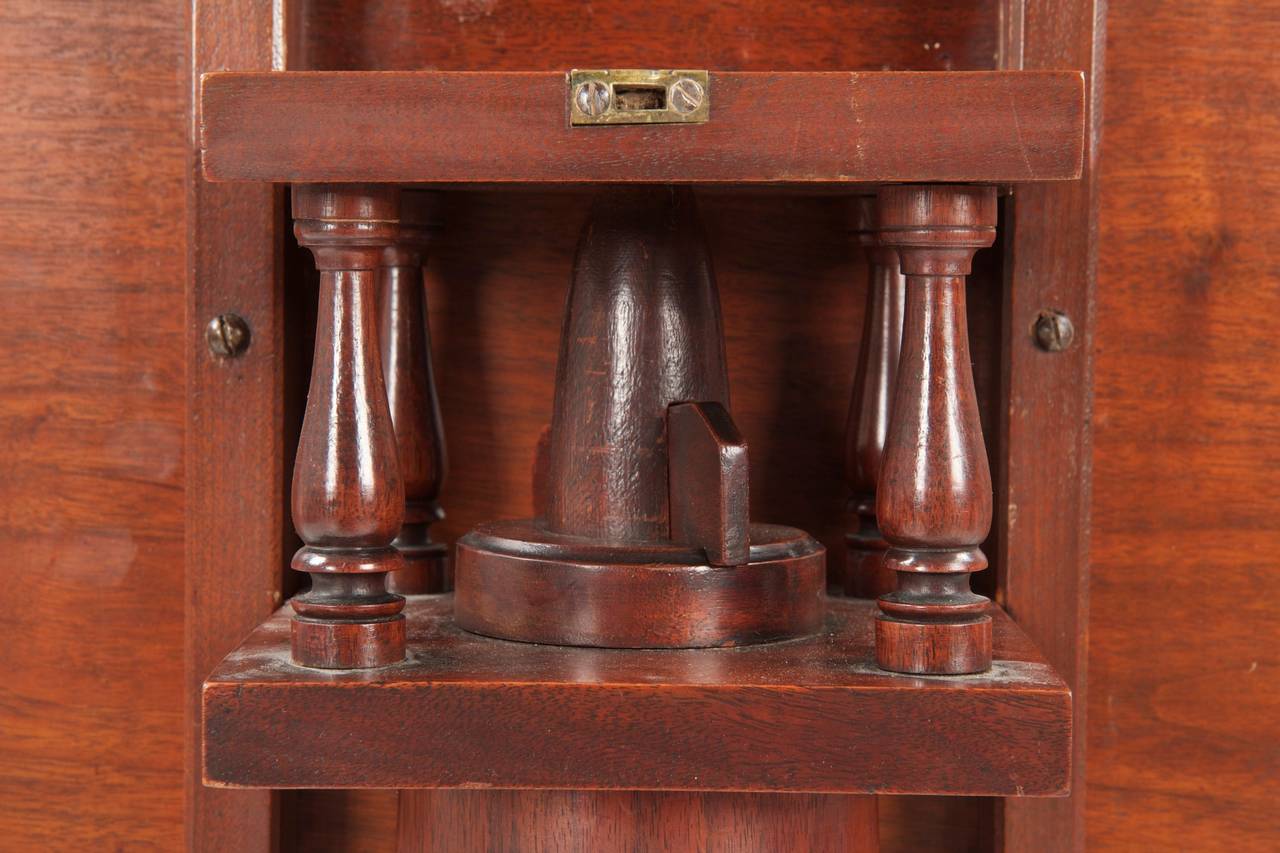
(765, 128)
(466, 711)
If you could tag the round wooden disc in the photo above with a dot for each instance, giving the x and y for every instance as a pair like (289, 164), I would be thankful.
(516, 581)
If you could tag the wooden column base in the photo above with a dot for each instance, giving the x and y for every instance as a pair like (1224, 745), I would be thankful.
(865, 575)
(933, 648)
(347, 645)
(517, 581)
(609, 821)
(425, 572)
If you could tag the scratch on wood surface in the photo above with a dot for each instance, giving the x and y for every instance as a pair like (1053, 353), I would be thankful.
(859, 154)
(1017, 128)
(470, 10)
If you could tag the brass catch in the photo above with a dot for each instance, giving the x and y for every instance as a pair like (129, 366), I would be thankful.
(638, 96)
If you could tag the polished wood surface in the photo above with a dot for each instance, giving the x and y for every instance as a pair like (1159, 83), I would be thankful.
(497, 285)
(405, 337)
(1184, 697)
(457, 715)
(1040, 539)
(1187, 126)
(933, 498)
(497, 127)
(523, 35)
(91, 425)
(236, 448)
(709, 482)
(515, 580)
(348, 494)
(874, 382)
(601, 822)
(642, 331)
(641, 543)
(779, 261)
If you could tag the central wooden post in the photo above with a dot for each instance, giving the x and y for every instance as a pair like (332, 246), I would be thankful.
(645, 541)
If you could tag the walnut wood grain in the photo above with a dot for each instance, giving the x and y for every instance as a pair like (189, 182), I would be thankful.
(458, 713)
(514, 580)
(875, 380)
(1044, 475)
(405, 338)
(348, 494)
(235, 481)
(430, 126)
(608, 821)
(708, 482)
(537, 35)
(642, 331)
(933, 500)
(93, 351)
(1183, 749)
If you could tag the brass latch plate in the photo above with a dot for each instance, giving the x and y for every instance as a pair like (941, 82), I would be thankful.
(638, 96)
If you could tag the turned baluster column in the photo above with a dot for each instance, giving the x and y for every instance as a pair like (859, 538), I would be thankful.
(411, 395)
(873, 388)
(348, 498)
(933, 500)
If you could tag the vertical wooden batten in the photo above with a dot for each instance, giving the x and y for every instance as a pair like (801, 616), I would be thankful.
(1043, 476)
(235, 447)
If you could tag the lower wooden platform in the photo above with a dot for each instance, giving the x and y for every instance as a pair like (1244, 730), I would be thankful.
(807, 715)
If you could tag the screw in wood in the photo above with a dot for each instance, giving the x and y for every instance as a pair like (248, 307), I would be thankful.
(1054, 331)
(592, 97)
(686, 95)
(227, 335)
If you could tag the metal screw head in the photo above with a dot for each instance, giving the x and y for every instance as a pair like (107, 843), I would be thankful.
(227, 335)
(1054, 331)
(686, 95)
(592, 97)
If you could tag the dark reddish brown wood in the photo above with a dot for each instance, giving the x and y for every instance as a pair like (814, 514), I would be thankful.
(235, 452)
(1043, 475)
(780, 261)
(873, 387)
(348, 495)
(538, 35)
(642, 331)
(517, 580)
(431, 126)
(93, 350)
(610, 564)
(933, 501)
(597, 821)
(709, 488)
(405, 337)
(468, 711)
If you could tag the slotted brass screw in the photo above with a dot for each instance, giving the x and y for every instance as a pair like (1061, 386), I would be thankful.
(592, 98)
(227, 335)
(1054, 331)
(686, 95)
